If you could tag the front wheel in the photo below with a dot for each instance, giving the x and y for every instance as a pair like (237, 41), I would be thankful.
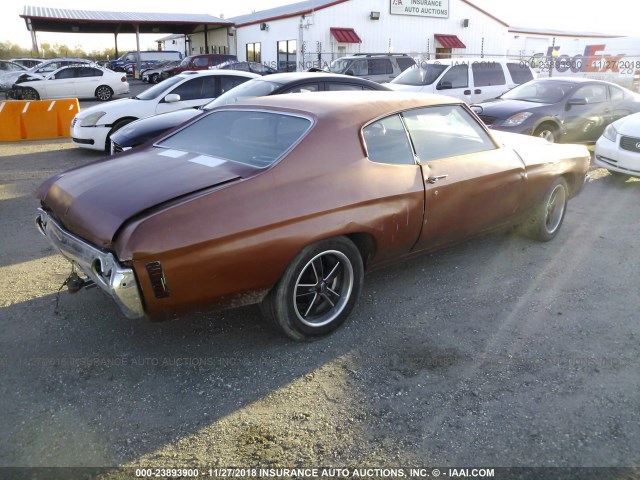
(153, 78)
(104, 93)
(317, 291)
(548, 132)
(545, 221)
(29, 93)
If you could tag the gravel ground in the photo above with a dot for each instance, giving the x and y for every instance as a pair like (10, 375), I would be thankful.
(497, 352)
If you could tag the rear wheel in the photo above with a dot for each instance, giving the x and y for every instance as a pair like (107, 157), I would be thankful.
(317, 291)
(545, 221)
(104, 93)
(547, 131)
(29, 93)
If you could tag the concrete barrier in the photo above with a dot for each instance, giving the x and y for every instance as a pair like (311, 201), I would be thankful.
(36, 120)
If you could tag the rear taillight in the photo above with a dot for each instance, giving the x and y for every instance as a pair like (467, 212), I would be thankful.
(123, 79)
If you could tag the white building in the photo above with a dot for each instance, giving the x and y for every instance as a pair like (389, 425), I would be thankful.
(525, 41)
(315, 32)
(173, 42)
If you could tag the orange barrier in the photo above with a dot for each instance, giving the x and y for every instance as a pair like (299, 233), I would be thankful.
(36, 120)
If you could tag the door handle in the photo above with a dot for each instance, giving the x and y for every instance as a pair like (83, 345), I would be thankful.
(436, 178)
(477, 90)
(467, 92)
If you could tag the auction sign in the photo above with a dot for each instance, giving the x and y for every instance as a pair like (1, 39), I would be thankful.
(421, 8)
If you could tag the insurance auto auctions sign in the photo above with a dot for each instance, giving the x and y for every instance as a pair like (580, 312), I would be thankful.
(421, 8)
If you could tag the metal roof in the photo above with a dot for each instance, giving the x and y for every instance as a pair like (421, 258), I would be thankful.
(294, 9)
(560, 33)
(86, 21)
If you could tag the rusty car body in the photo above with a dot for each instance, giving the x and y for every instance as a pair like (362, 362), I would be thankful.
(287, 200)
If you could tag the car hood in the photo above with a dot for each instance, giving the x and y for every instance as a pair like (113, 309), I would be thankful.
(503, 108)
(95, 200)
(401, 87)
(629, 125)
(117, 108)
(138, 132)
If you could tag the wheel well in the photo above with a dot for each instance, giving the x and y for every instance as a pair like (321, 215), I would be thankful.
(365, 244)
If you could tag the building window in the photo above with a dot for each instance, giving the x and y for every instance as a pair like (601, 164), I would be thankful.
(287, 55)
(253, 52)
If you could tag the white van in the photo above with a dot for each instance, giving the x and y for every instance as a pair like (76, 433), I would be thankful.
(469, 79)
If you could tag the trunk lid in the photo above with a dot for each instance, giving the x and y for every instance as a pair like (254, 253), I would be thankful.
(95, 200)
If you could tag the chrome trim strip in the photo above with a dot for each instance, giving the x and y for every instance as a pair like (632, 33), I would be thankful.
(101, 267)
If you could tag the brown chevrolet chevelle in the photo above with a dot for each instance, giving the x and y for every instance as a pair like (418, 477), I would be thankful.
(287, 200)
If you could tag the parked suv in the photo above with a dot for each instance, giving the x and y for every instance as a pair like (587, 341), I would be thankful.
(373, 66)
(469, 79)
(197, 62)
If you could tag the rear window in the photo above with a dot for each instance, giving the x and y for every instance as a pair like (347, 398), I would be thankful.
(519, 73)
(405, 62)
(250, 137)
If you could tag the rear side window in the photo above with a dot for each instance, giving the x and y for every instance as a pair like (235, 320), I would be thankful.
(380, 66)
(341, 86)
(519, 73)
(488, 73)
(405, 62)
(227, 83)
(201, 62)
(67, 73)
(253, 138)
(89, 72)
(387, 142)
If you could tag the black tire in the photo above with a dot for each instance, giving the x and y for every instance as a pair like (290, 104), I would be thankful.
(545, 221)
(29, 93)
(104, 93)
(548, 131)
(153, 78)
(318, 290)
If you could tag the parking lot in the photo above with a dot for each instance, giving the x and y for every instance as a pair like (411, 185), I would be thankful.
(497, 352)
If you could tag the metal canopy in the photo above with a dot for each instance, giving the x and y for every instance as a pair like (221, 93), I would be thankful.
(84, 21)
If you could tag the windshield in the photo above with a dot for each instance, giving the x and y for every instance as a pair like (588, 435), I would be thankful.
(159, 89)
(425, 75)
(253, 138)
(253, 88)
(540, 91)
(185, 61)
(339, 66)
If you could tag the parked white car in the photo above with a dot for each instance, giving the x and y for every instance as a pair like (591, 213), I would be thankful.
(72, 82)
(92, 128)
(618, 149)
(42, 70)
(471, 80)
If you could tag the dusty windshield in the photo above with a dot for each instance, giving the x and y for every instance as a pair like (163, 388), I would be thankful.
(159, 89)
(424, 75)
(339, 66)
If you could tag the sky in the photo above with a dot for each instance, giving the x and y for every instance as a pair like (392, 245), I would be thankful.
(613, 17)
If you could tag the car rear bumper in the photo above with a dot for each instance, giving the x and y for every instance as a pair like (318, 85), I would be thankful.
(100, 266)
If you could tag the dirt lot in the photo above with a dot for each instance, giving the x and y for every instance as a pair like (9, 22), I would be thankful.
(498, 352)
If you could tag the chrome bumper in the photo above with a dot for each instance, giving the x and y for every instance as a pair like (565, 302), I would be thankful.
(101, 267)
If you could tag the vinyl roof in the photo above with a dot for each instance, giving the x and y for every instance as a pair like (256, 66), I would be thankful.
(86, 21)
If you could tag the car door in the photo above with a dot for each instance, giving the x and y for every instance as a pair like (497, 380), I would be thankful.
(455, 82)
(488, 80)
(61, 84)
(380, 70)
(87, 80)
(586, 113)
(471, 184)
(193, 93)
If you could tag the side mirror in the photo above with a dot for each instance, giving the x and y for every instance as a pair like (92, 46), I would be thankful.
(172, 98)
(444, 86)
(576, 101)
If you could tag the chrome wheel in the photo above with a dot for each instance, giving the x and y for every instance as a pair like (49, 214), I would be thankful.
(555, 209)
(30, 94)
(323, 288)
(546, 132)
(104, 93)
